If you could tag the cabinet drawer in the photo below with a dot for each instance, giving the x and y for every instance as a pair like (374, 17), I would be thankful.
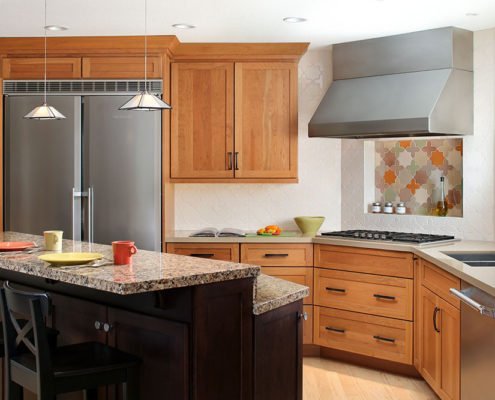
(370, 294)
(308, 325)
(214, 251)
(120, 67)
(373, 336)
(439, 282)
(380, 262)
(279, 255)
(301, 275)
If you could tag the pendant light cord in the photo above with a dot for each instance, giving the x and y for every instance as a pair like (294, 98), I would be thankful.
(44, 29)
(145, 45)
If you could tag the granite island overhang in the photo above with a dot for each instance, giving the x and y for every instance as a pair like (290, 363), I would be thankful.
(204, 329)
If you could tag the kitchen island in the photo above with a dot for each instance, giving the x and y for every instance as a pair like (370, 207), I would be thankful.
(204, 329)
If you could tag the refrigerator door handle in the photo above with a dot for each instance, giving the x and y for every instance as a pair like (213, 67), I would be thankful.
(91, 205)
(76, 225)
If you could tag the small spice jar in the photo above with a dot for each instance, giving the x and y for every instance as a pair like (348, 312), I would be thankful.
(388, 208)
(400, 208)
(376, 207)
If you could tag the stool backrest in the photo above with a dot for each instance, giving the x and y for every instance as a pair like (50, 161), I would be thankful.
(35, 308)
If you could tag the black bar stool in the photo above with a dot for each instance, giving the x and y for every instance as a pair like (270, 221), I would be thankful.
(48, 372)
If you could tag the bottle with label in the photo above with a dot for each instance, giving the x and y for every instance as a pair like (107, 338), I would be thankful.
(442, 207)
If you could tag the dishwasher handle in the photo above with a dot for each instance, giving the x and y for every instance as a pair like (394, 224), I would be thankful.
(470, 302)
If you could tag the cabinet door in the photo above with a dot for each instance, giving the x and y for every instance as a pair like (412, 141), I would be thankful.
(78, 329)
(266, 120)
(164, 348)
(451, 343)
(278, 354)
(430, 338)
(33, 68)
(202, 120)
(120, 67)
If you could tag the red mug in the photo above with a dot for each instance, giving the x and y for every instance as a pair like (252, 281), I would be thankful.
(123, 250)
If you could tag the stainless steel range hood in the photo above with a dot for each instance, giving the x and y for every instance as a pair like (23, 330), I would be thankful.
(416, 84)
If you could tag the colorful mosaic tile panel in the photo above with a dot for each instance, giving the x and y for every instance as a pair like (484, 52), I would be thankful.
(410, 171)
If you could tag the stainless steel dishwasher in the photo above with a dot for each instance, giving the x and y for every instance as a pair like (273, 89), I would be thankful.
(477, 343)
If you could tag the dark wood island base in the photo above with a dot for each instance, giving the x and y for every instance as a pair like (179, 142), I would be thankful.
(199, 342)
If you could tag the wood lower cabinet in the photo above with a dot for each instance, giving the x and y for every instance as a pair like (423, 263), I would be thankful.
(33, 68)
(162, 345)
(300, 275)
(384, 338)
(438, 330)
(278, 342)
(366, 293)
(120, 67)
(266, 120)
(202, 141)
(277, 255)
(214, 251)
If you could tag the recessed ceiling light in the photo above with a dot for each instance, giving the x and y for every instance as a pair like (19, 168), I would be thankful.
(471, 14)
(294, 20)
(183, 26)
(55, 28)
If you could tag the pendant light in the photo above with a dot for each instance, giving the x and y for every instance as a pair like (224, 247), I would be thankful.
(44, 112)
(145, 101)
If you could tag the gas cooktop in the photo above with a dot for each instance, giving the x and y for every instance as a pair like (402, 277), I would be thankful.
(403, 237)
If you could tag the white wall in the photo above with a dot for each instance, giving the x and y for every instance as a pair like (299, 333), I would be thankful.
(479, 178)
(250, 206)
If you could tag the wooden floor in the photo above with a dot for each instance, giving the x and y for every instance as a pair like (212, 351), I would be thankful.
(334, 380)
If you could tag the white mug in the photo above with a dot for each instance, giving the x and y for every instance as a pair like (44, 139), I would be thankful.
(53, 240)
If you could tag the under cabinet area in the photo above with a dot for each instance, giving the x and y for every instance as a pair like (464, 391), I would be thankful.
(234, 122)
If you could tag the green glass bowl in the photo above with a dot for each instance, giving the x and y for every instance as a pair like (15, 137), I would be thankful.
(309, 225)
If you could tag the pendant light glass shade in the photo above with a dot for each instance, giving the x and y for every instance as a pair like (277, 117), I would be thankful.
(45, 112)
(145, 101)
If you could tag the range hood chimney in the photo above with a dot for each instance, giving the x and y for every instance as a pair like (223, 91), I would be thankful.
(415, 84)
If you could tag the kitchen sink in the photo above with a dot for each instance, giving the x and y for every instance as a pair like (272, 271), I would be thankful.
(473, 259)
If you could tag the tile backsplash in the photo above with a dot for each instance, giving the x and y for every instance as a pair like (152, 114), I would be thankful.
(410, 171)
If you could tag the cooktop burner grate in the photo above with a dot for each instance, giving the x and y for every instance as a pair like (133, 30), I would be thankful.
(405, 237)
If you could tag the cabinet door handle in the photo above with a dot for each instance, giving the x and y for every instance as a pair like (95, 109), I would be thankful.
(384, 339)
(384, 297)
(107, 327)
(98, 325)
(229, 156)
(337, 290)
(236, 160)
(268, 255)
(336, 330)
(435, 312)
(303, 315)
(202, 255)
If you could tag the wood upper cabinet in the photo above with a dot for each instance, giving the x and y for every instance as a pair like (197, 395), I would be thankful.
(33, 68)
(234, 122)
(266, 120)
(120, 67)
(202, 120)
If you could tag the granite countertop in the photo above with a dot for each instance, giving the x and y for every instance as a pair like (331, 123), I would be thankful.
(286, 237)
(150, 271)
(273, 293)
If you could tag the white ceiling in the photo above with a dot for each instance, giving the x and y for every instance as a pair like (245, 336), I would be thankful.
(329, 21)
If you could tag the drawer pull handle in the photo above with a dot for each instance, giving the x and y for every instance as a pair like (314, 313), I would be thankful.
(383, 297)
(332, 289)
(384, 339)
(276, 255)
(336, 330)
(202, 255)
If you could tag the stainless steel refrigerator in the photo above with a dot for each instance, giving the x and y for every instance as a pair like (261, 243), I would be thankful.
(95, 175)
